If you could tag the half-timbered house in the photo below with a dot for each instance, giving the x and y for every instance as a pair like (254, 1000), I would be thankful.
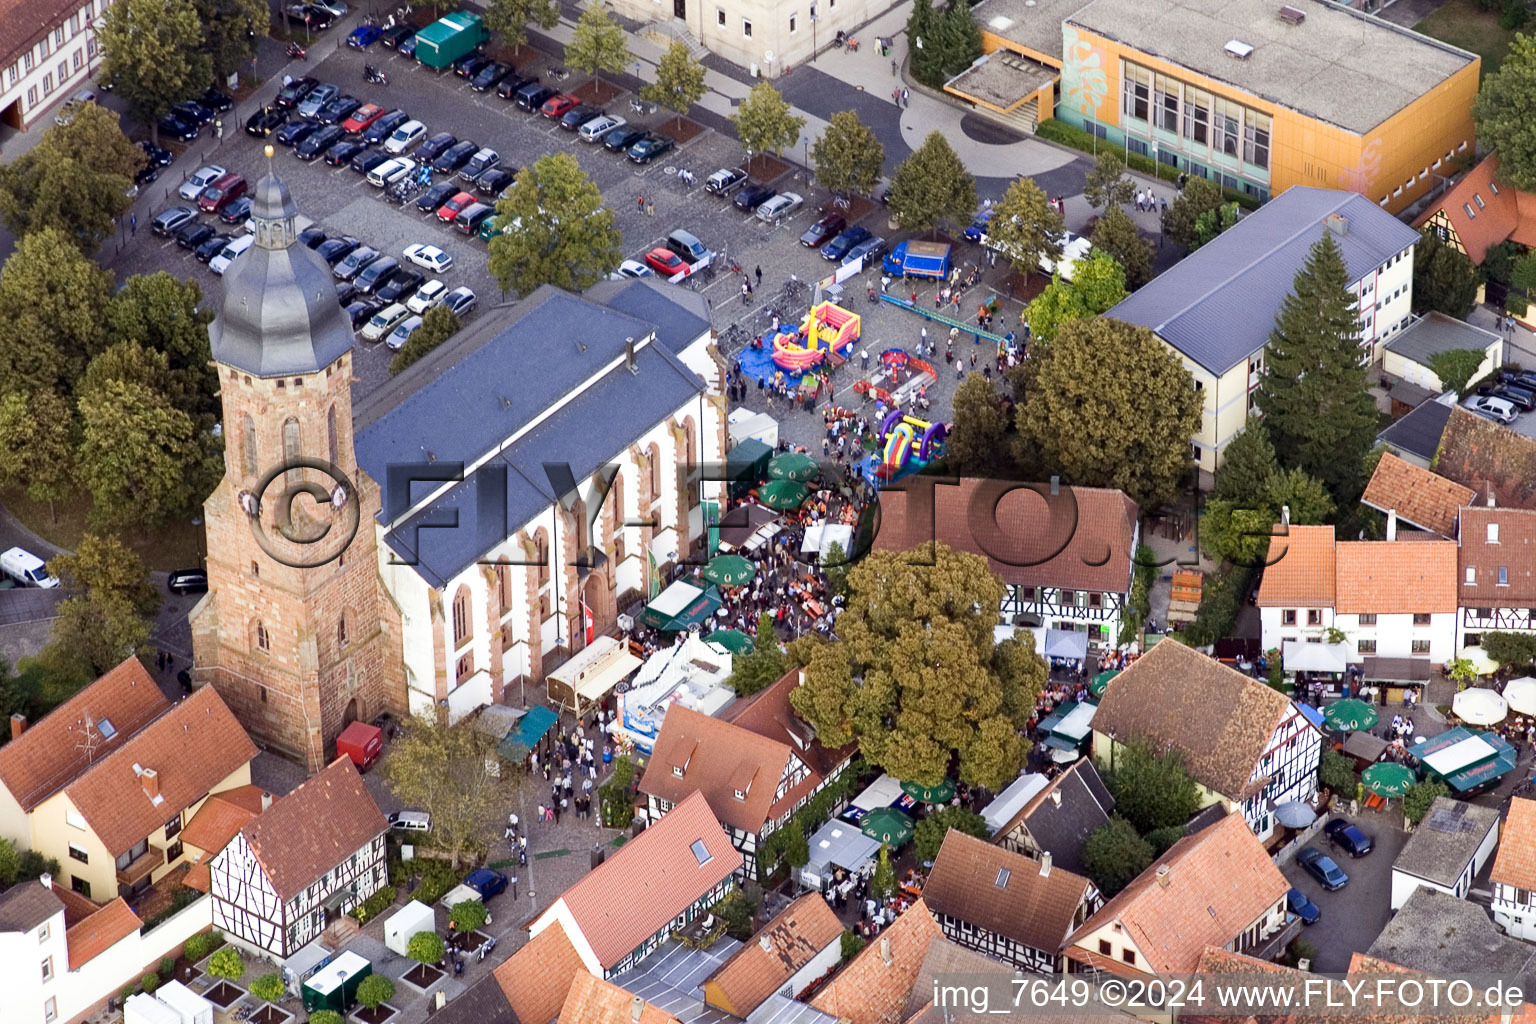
(312, 856)
(1058, 817)
(1514, 872)
(1496, 573)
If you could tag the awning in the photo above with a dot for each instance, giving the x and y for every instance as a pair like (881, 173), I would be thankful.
(741, 526)
(1065, 643)
(1311, 714)
(1059, 743)
(1364, 747)
(592, 673)
(681, 605)
(1012, 800)
(1396, 670)
(1077, 723)
(821, 537)
(1002, 80)
(530, 729)
(1465, 758)
(1305, 656)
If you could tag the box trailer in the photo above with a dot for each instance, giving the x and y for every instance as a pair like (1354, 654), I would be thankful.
(334, 987)
(407, 921)
(362, 743)
(146, 1009)
(449, 38)
(192, 1008)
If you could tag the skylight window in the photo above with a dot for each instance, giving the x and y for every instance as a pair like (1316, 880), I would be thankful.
(701, 852)
(1003, 875)
(106, 728)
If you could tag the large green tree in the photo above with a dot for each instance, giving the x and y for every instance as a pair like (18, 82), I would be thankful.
(109, 613)
(916, 679)
(762, 666)
(557, 229)
(37, 444)
(848, 157)
(1152, 790)
(1199, 198)
(76, 179)
(679, 81)
(1025, 226)
(231, 29)
(1107, 183)
(1097, 284)
(1113, 855)
(167, 315)
(510, 18)
(930, 832)
(1456, 367)
(139, 456)
(931, 187)
(598, 43)
(442, 769)
(1106, 405)
(438, 325)
(1247, 464)
(103, 564)
(1501, 113)
(1239, 531)
(153, 54)
(950, 38)
(1444, 280)
(977, 444)
(1117, 234)
(1316, 407)
(53, 302)
(765, 123)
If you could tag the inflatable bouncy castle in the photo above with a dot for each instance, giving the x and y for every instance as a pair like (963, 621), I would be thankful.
(828, 328)
(907, 442)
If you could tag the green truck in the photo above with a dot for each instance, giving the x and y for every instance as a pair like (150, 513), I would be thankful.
(334, 986)
(449, 38)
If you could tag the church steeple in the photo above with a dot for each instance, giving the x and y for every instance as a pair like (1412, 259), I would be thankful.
(273, 213)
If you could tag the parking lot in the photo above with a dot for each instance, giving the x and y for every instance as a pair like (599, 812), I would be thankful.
(1353, 916)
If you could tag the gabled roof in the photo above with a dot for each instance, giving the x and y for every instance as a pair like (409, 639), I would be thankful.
(1418, 433)
(314, 828)
(595, 1001)
(1514, 552)
(873, 987)
(537, 978)
(1395, 577)
(25, 905)
(766, 964)
(697, 753)
(1515, 864)
(100, 932)
(481, 1003)
(1080, 538)
(56, 750)
(1484, 212)
(1218, 882)
(1299, 570)
(1421, 498)
(1005, 893)
(1442, 934)
(1218, 304)
(191, 748)
(1218, 719)
(768, 713)
(221, 818)
(1488, 456)
(659, 874)
(1061, 815)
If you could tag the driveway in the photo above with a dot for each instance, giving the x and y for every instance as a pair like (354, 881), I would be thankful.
(1356, 914)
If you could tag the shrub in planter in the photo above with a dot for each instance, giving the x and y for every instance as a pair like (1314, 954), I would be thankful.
(269, 988)
(375, 990)
(150, 982)
(426, 948)
(325, 1017)
(468, 915)
(227, 963)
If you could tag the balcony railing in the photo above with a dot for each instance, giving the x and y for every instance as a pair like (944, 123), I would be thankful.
(138, 869)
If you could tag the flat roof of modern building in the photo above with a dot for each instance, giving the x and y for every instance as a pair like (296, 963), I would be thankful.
(1434, 333)
(1445, 844)
(1032, 24)
(1337, 65)
(1002, 79)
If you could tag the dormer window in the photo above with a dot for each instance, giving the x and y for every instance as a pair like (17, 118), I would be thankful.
(740, 794)
(677, 770)
(1493, 533)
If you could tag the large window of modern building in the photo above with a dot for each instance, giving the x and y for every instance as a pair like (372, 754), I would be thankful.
(1136, 89)
(1206, 124)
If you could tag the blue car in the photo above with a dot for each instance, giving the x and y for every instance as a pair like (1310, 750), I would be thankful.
(1321, 867)
(978, 227)
(486, 882)
(408, 46)
(839, 246)
(1303, 907)
(364, 36)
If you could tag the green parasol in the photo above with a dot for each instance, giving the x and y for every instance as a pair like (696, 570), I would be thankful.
(1388, 778)
(729, 570)
(1097, 685)
(888, 825)
(783, 495)
(795, 466)
(733, 640)
(940, 794)
(1349, 715)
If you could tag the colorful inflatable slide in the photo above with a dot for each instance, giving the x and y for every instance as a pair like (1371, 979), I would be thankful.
(828, 328)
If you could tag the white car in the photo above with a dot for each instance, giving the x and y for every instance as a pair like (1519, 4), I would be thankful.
(631, 268)
(1499, 409)
(404, 137)
(384, 321)
(226, 256)
(429, 257)
(594, 130)
(402, 334)
(391, 171)
(194, 186)
(781, 205)
(427, 296)
(1073, 248)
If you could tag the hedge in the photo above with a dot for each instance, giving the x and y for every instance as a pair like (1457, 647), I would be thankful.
(1068, 135)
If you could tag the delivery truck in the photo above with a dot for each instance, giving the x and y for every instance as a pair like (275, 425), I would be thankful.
(918, 259)
(449, 38)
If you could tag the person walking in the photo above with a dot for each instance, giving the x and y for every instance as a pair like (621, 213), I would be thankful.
(133, 223)
(895, 68)
(640, 201)
(906, 98)
(864, 359)
(746, 290)
(759, 277)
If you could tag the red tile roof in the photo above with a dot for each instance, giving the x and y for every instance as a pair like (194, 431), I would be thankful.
(191, 748)
(1080, 539)
(1299, 570)
(1514, 551)
(25, 23)
(873, 987)
(753, 973)
(1219, 881)
(100, 932)
(659, 875)
(1488, 456)
(314, 828)
(1498, 211)
(1516, 861)
(1420, 498)
(76, 907)
(1005, 893)
(768, 713)
(1395, 577)
(55, 750)
(595, 1001)
(537, 978)
(221, 818)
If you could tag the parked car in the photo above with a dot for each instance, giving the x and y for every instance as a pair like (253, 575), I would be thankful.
(344, 152)
(338, 110)
(532, 96)
(211, 248)
(410, 821)
(157, 155)
(316, 99)
(1347, 837)
(237, 245)
(493, 181)
(436, 146)
(468, 67)
(66, 113)
(977, 230)
(221, 193)
(489, 76)
(427, 296)
(334, 250)
(346, 293)
(781, 205)
(1492, 408)
(404, 136)
(146, 174)
(26, 569)
(1321, 867)
(866, 250)
(453, 207)
(621, 138)
(168, 222)
(507, 87)
(296, 91)
(320, 141)
(429, 257)
(312, 237)
(361, 310)
(473, 216)
(482, 161)
(295, 132)
(839, 246)
(360, 119)
(559, 105)
(205, 176)
(374, 276)
(573, 119)
(265, 121)
(486, 882)
(752, 196)
(364, 36)
(391, 171)
(1521, 398)
(368, 159)
(196, 113)
(455, 157)
(384, 321)
(1519, 378)
(402, 283)
(407, 46)
(433, 198)
(384, 128)
(665, 262)
(726, 180)
(178, 128)
(187, 581)
(393, 37)
(217, 101)
(461, 301)
(596, 128)
(312, 16)
(1303, 907)
(631, 268)
(355, 261)
(402, 332)
(193, 234)
(823, 231)
(649, 148)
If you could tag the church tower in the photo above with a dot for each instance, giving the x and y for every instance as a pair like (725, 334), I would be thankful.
(296, 631)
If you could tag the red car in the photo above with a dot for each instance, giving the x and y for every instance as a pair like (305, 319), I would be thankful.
(362, 118)
(665, 262)
(559, 106)
(221, 193)
(451, 208)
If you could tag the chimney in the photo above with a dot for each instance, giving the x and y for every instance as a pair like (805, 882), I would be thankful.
(885, 950)
(636, 1008)
(1285, 515)
(1056, 797)
(764, 941)
(1490, 497)
(629, 355)
(1055, 486)
(150, 780)
(266, 800)
(47, 880)
(18, 724)
(1391, 524)
(1045, 864)
(1162, 875)
(1337, 223)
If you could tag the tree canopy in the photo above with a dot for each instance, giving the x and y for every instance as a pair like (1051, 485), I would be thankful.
(1117, 234)
(916, 680)
(1501, 114)
(510, 18)
(848, 157)
(679, 81)
(761, 667)
(153, 54)
(438, 324)
(1444, 280)
(1025, 227)
(139, 456)
(1456, 367)
(1152, 790)
(1097, 284)
(557, 230)
(1201, 198)
(765, 123)
(950, 41)
(53, 302)
(441, 768)
(598, 43)
(1107, 183)
(108, 616)
(167, 315)
(75, 180)
(37, 444)
(230, 31)
(1113, 855)
(977, 444)
(930, 832)
(931, 187)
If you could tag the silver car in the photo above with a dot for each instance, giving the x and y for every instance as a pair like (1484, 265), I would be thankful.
(461, 301)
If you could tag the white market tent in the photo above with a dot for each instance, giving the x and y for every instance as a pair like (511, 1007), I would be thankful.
(883, 792)
(1065, 643)
(1012, 800)
(1470, 751)
(822, 536)
(837, 844)
(1304, 656)
(1078, 722)
(757, 425)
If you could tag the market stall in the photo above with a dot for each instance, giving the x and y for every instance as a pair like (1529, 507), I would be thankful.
(586, 678)
(681, 605)
(1467, 760)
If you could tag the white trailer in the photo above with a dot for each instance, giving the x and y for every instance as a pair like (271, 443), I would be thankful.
(414, 917)
(192, 1008)
(146, 1009)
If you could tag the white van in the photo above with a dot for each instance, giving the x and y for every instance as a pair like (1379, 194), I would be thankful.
(26, 569)
(226, 256)
(411, 821)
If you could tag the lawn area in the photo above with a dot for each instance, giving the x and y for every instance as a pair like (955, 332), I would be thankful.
(1460, 23)
(172, 546)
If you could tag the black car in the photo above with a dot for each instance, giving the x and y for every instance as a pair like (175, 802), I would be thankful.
(193, 234)
(312, 236)
(437, 195)
(295, 132)
(839, 246)
(319, 142)
(469, 67)
(338, 110)
(1519, 378)
(210, 248)
(434, 146)
(455, 156)
(401, 283)
(393, 37)
(384, 127)
(178, 128)
(577, 116)
(346, 292)
(368, 159)
(216, 101)
(156, 155)
(752, 196)
(316, 19)
(649, 147)
(1348, 838)
(146, 174)
(342, 153)
(194, 112)
(490, 76)
(1520, 397)
(493, 181)
(265, 121)
(508, 86)
(292, 94)
(376, 274)
(532, 96)
(622, 137)
(334, 250)
(187, 581)
(362, 310)
(236, 211)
